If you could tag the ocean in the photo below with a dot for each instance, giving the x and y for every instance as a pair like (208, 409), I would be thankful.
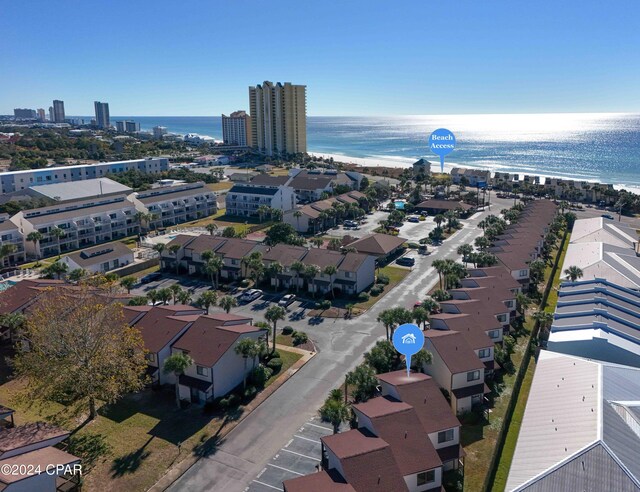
(602, 147)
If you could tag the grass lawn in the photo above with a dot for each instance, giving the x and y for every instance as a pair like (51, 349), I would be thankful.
(221, 186)
(240, 224)
(133, 442)
(144, 272)
(284, 340)
(288, 359)
(395, 274)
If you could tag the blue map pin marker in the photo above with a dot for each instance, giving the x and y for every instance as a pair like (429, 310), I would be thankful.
(408, 340)
(442, 142)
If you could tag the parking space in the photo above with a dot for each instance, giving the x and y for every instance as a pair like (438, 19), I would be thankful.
(300, 456)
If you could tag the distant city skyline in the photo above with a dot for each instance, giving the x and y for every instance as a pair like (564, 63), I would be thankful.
(422, 59)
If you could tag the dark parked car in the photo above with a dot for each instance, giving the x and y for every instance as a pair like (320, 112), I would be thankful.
(607, 216)
(151, 277)
(406, 261)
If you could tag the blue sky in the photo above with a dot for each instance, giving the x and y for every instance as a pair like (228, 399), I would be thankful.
(356, 57)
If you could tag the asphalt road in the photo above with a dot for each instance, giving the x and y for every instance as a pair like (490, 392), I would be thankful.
(249, 447)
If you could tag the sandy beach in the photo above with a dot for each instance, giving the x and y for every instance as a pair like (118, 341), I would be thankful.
(405, 162)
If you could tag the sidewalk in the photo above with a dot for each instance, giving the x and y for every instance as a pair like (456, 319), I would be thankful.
(178, 470)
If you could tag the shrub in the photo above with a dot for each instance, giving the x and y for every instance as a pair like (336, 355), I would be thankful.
(275, 364)
(300, 337)
(376, 290)
(272, 355)
(413, 245)
(233, 400)
(287, 330)
(244, 283)
(422, 218)
(323, 305)
(382, 279)
(250, 393)
(363, 297)
(260, 375)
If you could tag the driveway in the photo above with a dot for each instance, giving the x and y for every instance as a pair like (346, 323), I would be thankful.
(249, 447)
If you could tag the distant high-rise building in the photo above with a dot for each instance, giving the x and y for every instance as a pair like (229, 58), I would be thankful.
(120, 126)
(278, 118)
(41, 114)
(24, 114)
(131, 126)
(159, 132)
(58, 111)
(51, 115)
(236, 129)
(102, 114)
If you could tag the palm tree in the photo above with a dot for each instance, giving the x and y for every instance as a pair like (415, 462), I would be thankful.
(574, 273)
(175, 290)
(12, 321)
(152, 295)
(207, 299)
(420, 359)
(176, 364)
(335, 244)
(297, 214)
(273, 315)
(174, 249)
(228, 302)
(335, 412)
(421, 316)
(543, 318)
(159, 247)
(297, 267)
(465, 250)
(438, 219)
(482, 243)
(213, 267)
(184, 297)
(442, 268)
(430, 305)
(165, 295)
(5, 251)
(262, 211)
(310, 272)
(274, 269)
(388, 319)
(77, 275)
(523, 302)
(331, 271)
(247, 347)
(211, 228)
(316, 241)
(58, 234)
(128, 283)
(35, 237)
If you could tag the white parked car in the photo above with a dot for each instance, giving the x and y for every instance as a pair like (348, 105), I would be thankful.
(250, 295)
(287, 300)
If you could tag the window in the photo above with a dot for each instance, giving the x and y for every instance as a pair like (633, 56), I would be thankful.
(473, 375)
(482, 353)
(347, 274)
(202, 371)
(445, 436)
(524, 273)
(502, 318)
(426, 477)
(494, 334)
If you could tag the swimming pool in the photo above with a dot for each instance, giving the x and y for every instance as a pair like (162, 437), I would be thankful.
(399, 205)
(4, 285)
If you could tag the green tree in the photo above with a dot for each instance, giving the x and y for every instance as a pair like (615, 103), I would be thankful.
(211, 228)
(177, 364)
(383, 357)
(297, 214)
(128, 283)
(331, 270)
(77, 274)
(35, 237)
(184, 297)
(80, 348)
(138, 301)
(175, 291)
(316, 241)
(246, 348)
(523, 302)
(465, 250)
(298, 267)
(228, 302)
(6, 250)
(174, 249)
(274, 269)
(334, 412)
(420, 359)
(421, 317)
(573, 272)
(207, 299)
(13, 322)
(58, 234)
(310, 272)
(273, 315)
(364, 381)
(212, 267)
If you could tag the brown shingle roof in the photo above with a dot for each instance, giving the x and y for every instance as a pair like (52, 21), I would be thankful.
(163, 323)
(23, 293)
(206, 341)
(285, 254)
(205, 242)
(267, 180)
(310, 182)
(322, 481)
(237, 249)
(397, 424)
(352, 262)
(34, 460)
(377, 244)
(367, 461)
(454, 351)
(28, 434)
(322, 258)
(422, 393)
(473, 328)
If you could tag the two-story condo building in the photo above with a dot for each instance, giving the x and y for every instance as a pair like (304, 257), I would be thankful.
(10, 235)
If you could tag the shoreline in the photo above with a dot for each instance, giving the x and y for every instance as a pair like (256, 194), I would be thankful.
(406, 162)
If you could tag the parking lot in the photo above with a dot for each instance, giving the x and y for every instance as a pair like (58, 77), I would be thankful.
(300, 456)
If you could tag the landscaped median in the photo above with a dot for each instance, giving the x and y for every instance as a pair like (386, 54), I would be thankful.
(131, 444)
